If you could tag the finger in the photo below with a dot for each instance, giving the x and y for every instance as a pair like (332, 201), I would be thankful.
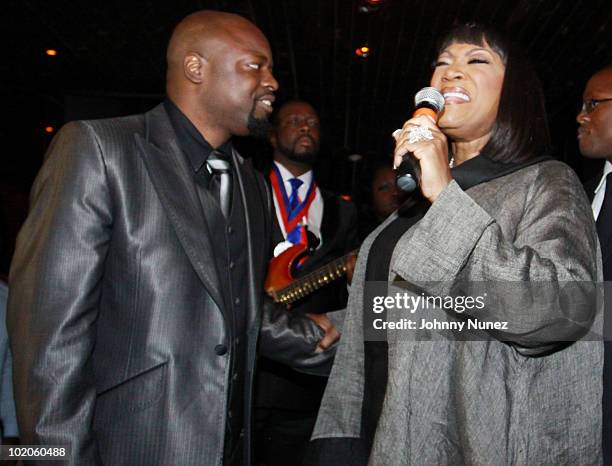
(421, 120)
(424, 120)
(331, 333)
(331, 337)
(417, 134)
(402, 148)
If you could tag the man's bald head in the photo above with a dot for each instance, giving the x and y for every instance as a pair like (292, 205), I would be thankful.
(220, 75)
(196, 32)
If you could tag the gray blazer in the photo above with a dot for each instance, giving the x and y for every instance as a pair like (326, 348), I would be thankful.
(116, 318)
(532, 400)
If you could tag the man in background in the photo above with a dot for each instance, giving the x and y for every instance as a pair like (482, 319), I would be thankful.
(595, 141)
(288, 401)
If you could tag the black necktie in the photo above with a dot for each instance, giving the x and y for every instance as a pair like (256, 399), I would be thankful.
(604, 219)
(221, 183)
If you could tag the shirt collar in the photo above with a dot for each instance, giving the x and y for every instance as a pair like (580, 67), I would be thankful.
(607, 169)
(287, 175)
(190, 140)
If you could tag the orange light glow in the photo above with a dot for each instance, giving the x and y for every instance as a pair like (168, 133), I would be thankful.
(362, 51)
(51, 52)
(49, 129)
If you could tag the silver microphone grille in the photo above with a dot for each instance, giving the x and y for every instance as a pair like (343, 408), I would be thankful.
(432, 96)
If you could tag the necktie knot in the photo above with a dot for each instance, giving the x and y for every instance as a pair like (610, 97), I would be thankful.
(294, 199)
(295, 184)
(217, 163)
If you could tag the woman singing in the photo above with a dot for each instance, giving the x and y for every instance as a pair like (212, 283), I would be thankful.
(502, 223)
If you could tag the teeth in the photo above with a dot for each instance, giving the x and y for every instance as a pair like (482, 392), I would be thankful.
(266, 102)
(459, 95)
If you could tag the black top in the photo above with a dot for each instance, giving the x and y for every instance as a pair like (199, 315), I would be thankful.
(192, 143)
(376, 361)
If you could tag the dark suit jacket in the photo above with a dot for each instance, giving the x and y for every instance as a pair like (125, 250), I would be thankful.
(279, 386)
(606, 250)
(117, 323)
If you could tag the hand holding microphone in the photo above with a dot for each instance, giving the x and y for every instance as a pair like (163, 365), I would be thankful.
(421, 151)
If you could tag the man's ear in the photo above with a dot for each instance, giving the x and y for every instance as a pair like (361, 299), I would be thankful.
(193, 67)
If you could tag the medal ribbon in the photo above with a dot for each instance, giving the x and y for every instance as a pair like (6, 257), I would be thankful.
(292, 217)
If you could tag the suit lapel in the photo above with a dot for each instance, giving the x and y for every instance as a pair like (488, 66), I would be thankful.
(329, 230)
(257, 224)
(173, 181)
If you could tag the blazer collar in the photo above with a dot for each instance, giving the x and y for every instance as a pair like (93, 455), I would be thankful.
(173, 180)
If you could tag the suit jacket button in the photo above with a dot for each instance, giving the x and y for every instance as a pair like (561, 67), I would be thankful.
(220, 350)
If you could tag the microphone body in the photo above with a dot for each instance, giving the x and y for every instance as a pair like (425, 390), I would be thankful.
(428, 101)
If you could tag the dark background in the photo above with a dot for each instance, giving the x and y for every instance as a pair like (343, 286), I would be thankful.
(111, 62)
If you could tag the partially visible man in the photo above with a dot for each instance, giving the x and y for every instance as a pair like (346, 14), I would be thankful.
(287, 401)
(595, 141)
(8, 418)
(134, 303)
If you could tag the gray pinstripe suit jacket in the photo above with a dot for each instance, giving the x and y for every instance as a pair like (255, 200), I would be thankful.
(115, 312)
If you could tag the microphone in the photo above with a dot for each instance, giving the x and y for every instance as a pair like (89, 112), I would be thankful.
(428, 101)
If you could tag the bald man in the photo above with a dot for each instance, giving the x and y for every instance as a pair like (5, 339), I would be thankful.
(135, 288)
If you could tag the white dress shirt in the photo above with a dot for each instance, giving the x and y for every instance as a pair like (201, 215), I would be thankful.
(315, 213)
(600, 190)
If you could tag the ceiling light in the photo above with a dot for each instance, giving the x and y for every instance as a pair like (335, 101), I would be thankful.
(362, 51)
(370, 6)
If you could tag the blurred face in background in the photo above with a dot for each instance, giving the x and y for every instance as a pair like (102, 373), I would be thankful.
(386, 196)
(296, 134)
(595, 118)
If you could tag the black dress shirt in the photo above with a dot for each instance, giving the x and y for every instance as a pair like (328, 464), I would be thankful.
(192, 143)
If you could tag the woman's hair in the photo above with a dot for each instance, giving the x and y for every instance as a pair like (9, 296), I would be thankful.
(520, 131)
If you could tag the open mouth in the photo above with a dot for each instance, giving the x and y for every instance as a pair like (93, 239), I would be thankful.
(266, 102)
(456, 96)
